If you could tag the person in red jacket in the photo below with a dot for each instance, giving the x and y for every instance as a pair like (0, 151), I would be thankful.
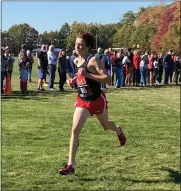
(136, 68)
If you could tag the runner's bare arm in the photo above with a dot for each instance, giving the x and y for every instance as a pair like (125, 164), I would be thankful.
(71, 82)
(102, 75)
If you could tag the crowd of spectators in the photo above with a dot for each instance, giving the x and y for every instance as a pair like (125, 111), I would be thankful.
(130, 68)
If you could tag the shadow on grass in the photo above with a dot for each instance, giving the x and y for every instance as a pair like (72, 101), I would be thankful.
(18, 95)
(93, 179)
(174, 175)
(131, 88)
(111, 89)
(34, 95)
(86, 179)
(145, 181)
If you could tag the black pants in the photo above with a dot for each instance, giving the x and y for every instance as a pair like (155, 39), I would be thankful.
(52, 70)
(124, 76)
(177, 74)
(113, 71)
(136, 76)
(168, 75)
(160, 73)
(62, 79)
(155, 76)
(2, 80)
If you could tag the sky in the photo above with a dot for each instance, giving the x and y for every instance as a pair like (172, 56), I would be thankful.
(50, 16)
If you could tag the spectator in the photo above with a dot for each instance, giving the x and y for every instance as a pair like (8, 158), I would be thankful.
(156, 69)
(177, 68)
(143, 68)
(174, 59)
(99, 54)
(112, 56)
(30, 62)
(136, 69)
(124, 68)
(107, 64)
(62, 69)
(150, 69)
(43, 65)
(3, 68)
(52, 62)
(10, 62)
(23, 65)
(130, 68)
(168, 67)
(127, 68)
(70, 68)
(71, 61)
(41, 76)
(160, 67)
(22, 51)
(68, 53)
(119, 70)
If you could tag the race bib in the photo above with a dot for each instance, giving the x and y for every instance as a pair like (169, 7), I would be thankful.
(83, 88)
(80, 80)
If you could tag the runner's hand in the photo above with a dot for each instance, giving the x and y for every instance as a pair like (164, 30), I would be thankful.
(82, 72)
(70, 82)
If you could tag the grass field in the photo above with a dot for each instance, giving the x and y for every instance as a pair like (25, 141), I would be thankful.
(36, 131)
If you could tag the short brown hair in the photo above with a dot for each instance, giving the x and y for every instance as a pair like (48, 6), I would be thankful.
(88, 38)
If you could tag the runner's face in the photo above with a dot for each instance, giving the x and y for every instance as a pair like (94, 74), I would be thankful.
(80, 47)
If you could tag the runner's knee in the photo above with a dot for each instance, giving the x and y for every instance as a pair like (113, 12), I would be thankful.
(76, 130)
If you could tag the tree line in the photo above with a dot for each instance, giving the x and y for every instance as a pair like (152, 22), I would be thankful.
(155, 28)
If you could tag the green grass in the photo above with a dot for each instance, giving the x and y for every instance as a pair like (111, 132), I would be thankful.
(36, 131)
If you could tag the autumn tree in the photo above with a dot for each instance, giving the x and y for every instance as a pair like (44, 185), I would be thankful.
(166, 19)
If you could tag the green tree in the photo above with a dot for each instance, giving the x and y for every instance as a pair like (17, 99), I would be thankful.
(4, 38)
(63, 34)
(23, 34)
(128, 18)
(124, 37)
(75, 29)
(65, 30)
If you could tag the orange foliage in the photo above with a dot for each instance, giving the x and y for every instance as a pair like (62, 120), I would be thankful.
(166, 22)
(166, 36)
(150, 16)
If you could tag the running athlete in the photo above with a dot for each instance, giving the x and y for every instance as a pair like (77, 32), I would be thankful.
(90, 100)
